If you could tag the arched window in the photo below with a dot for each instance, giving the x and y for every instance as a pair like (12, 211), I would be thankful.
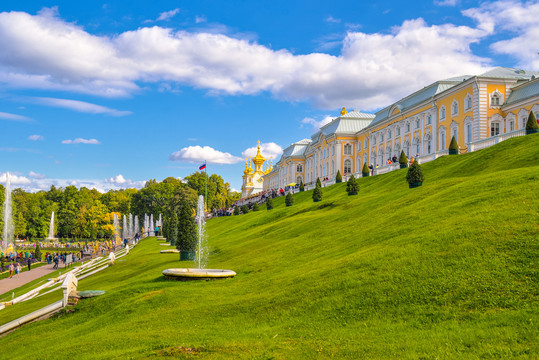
(389, 133)
(381, 137)
(407, 148)
(298, 180)
(454, 108)
(495, 100)
(495, 128)
(407, 127)
(398, 130)
(442, 113)
(442, 139)
(347, 149)
(347, 166)
(417, 123)
(299, 168)
(429, 119)
(468, 102)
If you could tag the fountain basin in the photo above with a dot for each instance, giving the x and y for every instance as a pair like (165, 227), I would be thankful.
(165, 244)
(170, 251)
(184, 274)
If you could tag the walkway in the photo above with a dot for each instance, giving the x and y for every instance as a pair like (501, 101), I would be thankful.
(24, 277)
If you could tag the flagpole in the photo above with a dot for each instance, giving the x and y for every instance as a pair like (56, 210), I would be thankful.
(206, 186)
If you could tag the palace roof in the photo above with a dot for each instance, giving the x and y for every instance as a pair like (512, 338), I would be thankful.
(349, 123)
(524, 91)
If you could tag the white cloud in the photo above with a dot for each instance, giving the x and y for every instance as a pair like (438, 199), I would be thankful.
(200, 19)
(198, 154)
(80, 106)
(167, 15)
(14, 179)
(372, 70)
(446, 2)
(14, 117)
(81, 141)
(267, 150)
(317, 124)
(516, 19)
(331, 19)
(35, 137)
(35, 175)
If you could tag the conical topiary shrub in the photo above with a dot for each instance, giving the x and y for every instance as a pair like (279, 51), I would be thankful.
(269, 204)
(318, 182)
(338, 178)
(415, 175)
(352, 187)
(245, 209)
(531, 124)
(255, 207)
(453, 147)
(365, 171)
(237, 210)
(289, 199)
(301, 186)
(317, 193)
(403, 160)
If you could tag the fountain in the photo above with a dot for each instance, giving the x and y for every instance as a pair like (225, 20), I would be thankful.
(51, 228)
(7, 235)
(199, 273)
(136, 224)
(125, 230)
(116, 225)
(130, 228)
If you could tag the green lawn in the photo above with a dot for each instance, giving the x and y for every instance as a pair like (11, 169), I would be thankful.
(445, 271)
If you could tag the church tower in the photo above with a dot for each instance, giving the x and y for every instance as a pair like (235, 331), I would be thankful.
(253, 182)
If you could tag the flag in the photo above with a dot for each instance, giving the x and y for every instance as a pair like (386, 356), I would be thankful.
(202, 167)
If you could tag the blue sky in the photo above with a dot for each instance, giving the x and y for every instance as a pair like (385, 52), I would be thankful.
(110, 94)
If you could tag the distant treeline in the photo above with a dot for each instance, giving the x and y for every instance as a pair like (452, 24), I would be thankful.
(84, 213)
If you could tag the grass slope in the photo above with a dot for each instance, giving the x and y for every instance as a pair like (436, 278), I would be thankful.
(447, 270)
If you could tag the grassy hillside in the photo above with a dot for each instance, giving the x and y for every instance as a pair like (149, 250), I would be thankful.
(445, 271)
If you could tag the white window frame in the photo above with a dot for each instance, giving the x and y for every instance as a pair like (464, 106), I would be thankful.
(442, 112)
(468, 102)
(496, 94)
(349, 161)
(454, 108)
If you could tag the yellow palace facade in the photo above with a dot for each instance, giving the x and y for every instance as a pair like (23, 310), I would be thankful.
(479, 111)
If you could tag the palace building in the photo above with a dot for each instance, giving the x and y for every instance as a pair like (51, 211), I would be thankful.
(479, 111)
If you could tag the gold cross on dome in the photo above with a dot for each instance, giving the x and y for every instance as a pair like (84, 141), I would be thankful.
(258, 142)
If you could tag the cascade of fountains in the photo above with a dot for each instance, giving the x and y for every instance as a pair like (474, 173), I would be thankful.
(130, 227)
(51, 228)
(116, 225)
(7, 235)
(137, 229)
(124, 228)
(201, 221)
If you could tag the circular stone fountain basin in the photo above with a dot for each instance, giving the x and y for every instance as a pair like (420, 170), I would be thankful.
(197, 274)
(170, 251)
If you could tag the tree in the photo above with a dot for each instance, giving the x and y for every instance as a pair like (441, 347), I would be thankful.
(301, 186)
(289, 199)
(365, 171)
(352, 187)
(403, 160)
(187, 236)
(415, 175)
(453, 146)
(255, 207)
(317, 193)
(318, 182)
(173, 226)
(269, 204)
(245, 209)
(236, 210)
(531, 124)
(338, 178)
(37, 252)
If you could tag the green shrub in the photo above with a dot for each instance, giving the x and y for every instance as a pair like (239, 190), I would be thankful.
(245, 209)
(338, 178)
(37, 252)
(531, 124)
(255, 207)
(237, 210)
(301, 186)
(317, 193)
(172, 235)
(289, 199)
(365, 171)
(415, 174)
(453, 146)
(318, 182)
(352, 187)
(187, 234)
(403, 159)
(269, 204)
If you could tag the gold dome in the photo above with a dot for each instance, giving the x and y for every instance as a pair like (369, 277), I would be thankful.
(258, 160)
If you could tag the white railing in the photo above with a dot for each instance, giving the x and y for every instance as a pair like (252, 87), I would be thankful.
(493, 140)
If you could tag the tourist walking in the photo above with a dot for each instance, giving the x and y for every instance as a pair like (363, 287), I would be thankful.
(29, 263)
(112, 257)
(55, 260)
(11, 268)
(18, 269)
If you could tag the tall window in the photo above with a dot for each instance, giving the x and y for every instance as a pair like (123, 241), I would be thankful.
(494, 129)
(347, 166)
(382, 137)
(324, 153)
(511, 126)
(469, 102)
(469, 132)
(398, 131)
(429, 119)
(347, 149)
(389, 134)
(298, 180)
(454, 108)
(407, 127)
(418, 124)
(495, 99)
(442, 136)
(299, 168)
(455, 133)
(442, 112)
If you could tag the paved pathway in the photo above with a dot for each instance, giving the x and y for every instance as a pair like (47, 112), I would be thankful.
(24, 277)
